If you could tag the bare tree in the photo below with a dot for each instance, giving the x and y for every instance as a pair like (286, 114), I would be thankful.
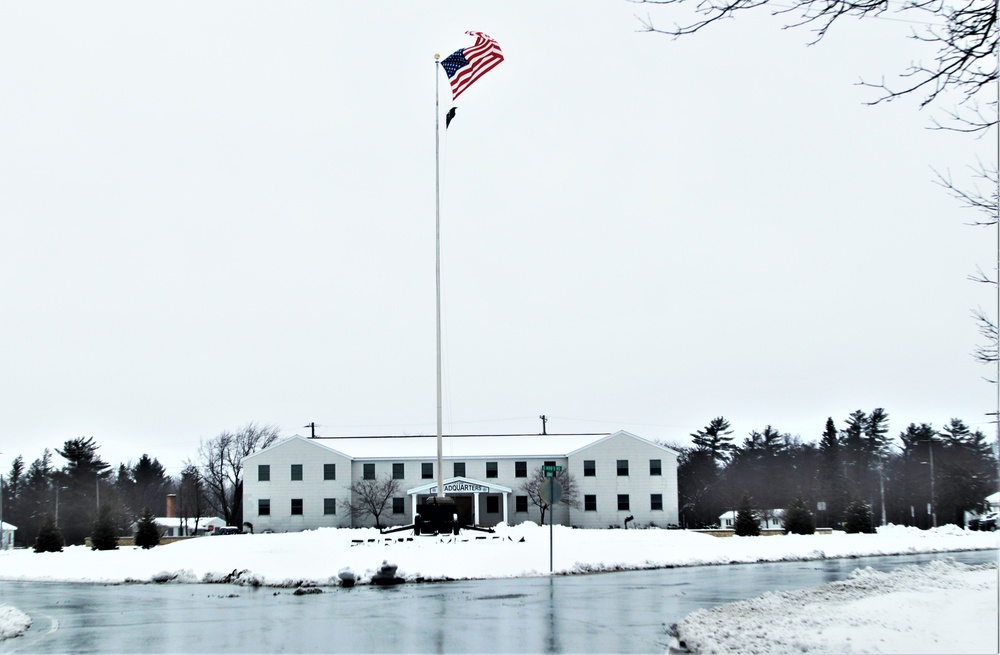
(964, 33)
(532, 487)
(221, 461)
(370, 497)
(190, 496)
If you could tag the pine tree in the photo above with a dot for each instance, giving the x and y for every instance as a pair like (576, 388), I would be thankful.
(746, 524)
(858, 517)
(147, 533)
(49, 539)
(104, 535)
(798, 519)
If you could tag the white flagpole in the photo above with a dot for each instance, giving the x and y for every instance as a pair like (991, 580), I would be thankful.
(437, 264)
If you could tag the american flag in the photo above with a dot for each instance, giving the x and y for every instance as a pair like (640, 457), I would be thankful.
(466, 65)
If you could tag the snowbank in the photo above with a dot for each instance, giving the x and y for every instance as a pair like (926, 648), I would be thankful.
(315, 557)
(942, 607)
(859, 614)
(13, 622)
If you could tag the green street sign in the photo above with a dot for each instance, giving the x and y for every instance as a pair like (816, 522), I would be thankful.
(550, 471)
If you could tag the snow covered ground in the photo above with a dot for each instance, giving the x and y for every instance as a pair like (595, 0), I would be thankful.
(316, 557)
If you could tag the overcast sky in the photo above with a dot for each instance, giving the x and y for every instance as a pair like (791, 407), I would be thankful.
(217, 213)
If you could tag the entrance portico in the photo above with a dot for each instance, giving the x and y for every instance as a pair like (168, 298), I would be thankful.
(461, 487)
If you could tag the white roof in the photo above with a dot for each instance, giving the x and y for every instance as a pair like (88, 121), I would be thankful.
(8, 526)
(175, 522)
(465, 446)
(501, 445)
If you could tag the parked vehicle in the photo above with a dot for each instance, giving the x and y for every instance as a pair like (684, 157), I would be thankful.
(229, 529)
(988, 523)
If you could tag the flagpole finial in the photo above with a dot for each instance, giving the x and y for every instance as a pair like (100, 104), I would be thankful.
(436, 56)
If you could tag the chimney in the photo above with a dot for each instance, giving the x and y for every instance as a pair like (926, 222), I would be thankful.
(171, 506)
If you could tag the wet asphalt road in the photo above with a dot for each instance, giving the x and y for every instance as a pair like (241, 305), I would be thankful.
(626, 612)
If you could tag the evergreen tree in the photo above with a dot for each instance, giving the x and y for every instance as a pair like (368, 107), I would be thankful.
(104, 535)
(798, 519)
(715, 439)
(80, 478)
(858, 517)
(147, 533)
(746, 524)
(49, 539)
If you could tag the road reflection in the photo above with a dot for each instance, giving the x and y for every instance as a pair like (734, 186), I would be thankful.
(625, 612)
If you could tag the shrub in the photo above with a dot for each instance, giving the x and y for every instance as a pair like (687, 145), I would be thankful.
(104, 535)
(147, 533)
(798, 519)
(746, 524)
(49, 539)
(858, 515)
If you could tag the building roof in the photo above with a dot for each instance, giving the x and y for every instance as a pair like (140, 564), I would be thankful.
(459, 445)
(176, 522)
(496, 445)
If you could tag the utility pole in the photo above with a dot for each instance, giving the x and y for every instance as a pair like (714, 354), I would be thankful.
(930, 449)
(544, 421)
(881, 488)
(312, 427)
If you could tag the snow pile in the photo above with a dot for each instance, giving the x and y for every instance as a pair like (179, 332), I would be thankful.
(945, 607)
(870, 612)
(315, 557)
(13, 622)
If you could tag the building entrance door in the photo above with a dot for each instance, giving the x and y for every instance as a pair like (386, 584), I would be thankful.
(463, 505)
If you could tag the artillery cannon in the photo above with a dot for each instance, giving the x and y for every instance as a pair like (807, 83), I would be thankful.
(436, 515)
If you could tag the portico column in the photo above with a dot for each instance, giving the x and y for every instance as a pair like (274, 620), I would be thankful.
(475, 508)
(505, 518)
(413, 507)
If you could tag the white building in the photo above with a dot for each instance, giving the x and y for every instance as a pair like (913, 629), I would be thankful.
(172, 526)
(301, 483)
(768, 519)
(7, 542)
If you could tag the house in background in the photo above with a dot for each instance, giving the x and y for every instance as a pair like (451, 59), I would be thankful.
(8, 536)
(306, 483)
(768, 519)
(172, 525)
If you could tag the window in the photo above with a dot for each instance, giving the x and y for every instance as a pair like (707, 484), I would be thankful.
(427, 471)
(656, 502)
(552, 463)
(263, 507)
(521, 470)
(296, 471)
(398, 471)
(493, 504)
(296, 507)
(491, 470)
(329, 471)
(623, 467)
(589, 468)
(590, 503)
(368, 471)
(623, 502)
(655, 467)
(329, 506)
(263, 472)
(520, 503)
(398, 506)
(459, 469)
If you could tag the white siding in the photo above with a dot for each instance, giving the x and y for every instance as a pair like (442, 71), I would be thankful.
(606, 485)
(281, 489)
(639, 485)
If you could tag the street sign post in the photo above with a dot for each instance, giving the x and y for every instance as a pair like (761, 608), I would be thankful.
(551, 493)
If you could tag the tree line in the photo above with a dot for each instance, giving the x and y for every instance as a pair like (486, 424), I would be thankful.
(925, 477)
(73, 496)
